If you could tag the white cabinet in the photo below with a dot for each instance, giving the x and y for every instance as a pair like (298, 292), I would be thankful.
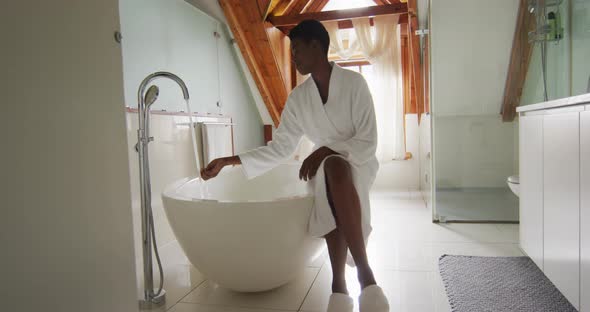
(561, 202)
(585, 210)
(531, 183)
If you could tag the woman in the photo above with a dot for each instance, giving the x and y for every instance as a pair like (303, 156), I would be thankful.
(334, 109)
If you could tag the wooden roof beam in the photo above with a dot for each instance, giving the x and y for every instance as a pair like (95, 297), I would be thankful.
(291, 20)
(315, 6)
(519, 63)
(296, 7)
(415, 64)
(271, 6)
(346, 24)
(288, 7)
(249, 30)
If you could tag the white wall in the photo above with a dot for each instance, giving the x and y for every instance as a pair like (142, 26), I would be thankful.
(471, 43)
(211, 8)
(174, 36)
(65, 229)
(402, 174)
(473, 151)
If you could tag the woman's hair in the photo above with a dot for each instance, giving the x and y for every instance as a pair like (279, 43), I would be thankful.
(309, 30)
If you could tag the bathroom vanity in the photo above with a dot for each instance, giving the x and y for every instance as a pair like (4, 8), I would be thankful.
(555, 193)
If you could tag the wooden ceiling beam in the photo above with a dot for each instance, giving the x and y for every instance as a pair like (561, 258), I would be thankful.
(262, 6)
(280, 7)
(296, 7)
(520, 58)
(346, 24)
(415, 64)
(287, 7)
(389, 1)
(315, 6)
(271, 6)
(249, 31)
(289, 20)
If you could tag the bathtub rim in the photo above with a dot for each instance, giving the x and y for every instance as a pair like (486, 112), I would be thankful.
(170, 191)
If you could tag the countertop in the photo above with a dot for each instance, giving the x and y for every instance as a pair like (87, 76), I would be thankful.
(583, 99)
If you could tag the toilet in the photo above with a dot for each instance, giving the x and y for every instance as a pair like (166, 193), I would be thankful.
(514, 184)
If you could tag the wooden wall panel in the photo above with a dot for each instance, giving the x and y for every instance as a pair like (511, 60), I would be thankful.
(416, 66)
(280, 44)
(249, 30)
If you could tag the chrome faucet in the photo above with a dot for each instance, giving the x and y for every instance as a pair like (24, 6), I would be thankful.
(145, 99)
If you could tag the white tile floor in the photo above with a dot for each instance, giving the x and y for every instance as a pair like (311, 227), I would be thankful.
(403, 250)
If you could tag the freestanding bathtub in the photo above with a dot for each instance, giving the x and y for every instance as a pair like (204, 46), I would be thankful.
(245, 235)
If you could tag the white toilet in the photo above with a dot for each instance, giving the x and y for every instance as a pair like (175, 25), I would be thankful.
(514, 184)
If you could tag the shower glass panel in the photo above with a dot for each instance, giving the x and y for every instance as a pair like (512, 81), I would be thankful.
(580, 42)
(474, 156)
(567, 69)
(549, 72)
(474, 152)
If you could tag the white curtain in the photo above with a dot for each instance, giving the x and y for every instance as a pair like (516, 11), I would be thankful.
(381, 46)
(337, 38)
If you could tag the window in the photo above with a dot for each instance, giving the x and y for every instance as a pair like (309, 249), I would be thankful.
(360, 66)
(347, 4)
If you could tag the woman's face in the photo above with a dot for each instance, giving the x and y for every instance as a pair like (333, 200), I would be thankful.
(303, 55)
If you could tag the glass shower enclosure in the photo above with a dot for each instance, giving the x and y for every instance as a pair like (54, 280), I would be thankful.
(474, 151)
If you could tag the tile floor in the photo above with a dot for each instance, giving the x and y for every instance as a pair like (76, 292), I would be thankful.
(403, 250)
(473, 203)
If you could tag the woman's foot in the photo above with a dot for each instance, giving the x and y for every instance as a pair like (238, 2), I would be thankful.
(340, 303)
(372, 299)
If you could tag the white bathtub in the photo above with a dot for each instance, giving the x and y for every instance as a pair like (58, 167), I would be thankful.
(245, 235)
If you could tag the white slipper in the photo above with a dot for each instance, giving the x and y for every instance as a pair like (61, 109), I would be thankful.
(340, 303)
(372, 299)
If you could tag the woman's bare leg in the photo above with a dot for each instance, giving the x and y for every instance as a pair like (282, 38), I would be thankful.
(347, 211)
(337, 249)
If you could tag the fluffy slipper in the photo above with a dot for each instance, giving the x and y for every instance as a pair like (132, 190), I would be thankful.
(340, 303)
(372, 299)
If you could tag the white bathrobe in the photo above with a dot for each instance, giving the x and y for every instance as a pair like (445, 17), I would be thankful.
(346, 124)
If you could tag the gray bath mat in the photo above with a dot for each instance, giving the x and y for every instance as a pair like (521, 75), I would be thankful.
(499, 284)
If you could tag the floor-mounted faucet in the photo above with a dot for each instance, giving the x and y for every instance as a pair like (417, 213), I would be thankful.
(145, 99)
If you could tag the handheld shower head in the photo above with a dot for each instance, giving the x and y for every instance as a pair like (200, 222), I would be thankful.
(151, 95)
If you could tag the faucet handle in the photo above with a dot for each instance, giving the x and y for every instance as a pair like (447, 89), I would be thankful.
(150, 139)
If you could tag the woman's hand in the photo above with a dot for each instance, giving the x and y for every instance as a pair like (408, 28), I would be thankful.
(215, 166)
(312, 163)
(212, 170)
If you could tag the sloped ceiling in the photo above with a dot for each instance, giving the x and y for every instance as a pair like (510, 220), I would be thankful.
(211, 7)
(248, 35)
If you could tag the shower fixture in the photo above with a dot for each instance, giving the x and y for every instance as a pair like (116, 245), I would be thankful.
(145, 100)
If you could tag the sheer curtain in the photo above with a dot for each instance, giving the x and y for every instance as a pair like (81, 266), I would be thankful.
(337, 38)
(381, 46)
